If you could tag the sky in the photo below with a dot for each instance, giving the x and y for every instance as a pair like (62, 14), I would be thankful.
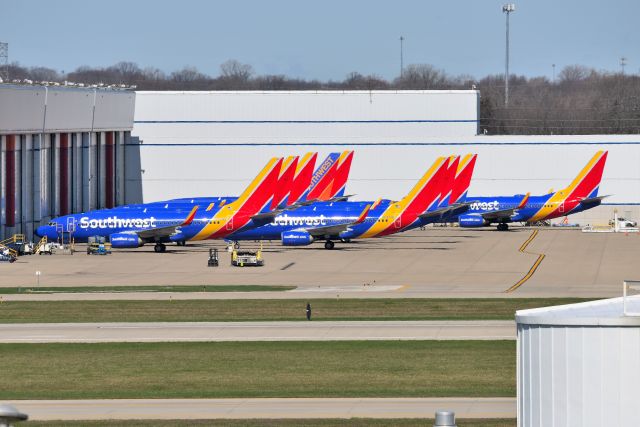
(324, 40)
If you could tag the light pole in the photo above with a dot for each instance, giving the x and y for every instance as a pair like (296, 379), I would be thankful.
(623, 62)
(554, 72)
(507, 8)
(401, 57)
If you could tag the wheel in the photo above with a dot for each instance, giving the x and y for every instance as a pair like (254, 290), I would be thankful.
(158, 247)
(503, 227)
(329, 244)
(236, 245)
(345, 240)
(163, 248)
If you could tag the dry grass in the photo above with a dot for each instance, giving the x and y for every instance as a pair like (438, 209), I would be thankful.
(265, 310)
(259, 369)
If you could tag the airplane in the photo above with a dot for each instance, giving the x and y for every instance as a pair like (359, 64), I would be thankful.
(136, 227)
(580, 195)
(332, 221)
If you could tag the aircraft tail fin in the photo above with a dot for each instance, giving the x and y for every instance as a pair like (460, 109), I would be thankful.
(323, 177)
(285, 181)
(463, 178)
(445, 195)
(261, 190)
(587, 183)
(427, 190)
(302, 178)
(341, 174)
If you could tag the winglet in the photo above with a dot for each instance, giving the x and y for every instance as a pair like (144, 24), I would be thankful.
(524, 201)
(363, 215)
(190, 217)
(376, 203)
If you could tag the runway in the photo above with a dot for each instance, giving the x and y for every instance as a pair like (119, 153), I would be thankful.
(256, 331)
(167, 409)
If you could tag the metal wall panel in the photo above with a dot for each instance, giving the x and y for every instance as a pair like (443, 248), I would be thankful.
(22, 109)
(578, 375)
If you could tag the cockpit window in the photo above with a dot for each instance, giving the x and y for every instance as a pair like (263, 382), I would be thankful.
(52, 224)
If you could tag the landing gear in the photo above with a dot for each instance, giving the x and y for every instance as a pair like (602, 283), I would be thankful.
(329, 244)
(236, 245)
(181, 243)
(345, 240)
(159, 247)
(503, 227)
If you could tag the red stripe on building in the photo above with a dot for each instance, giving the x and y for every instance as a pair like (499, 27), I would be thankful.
(64, 173)
(109, 172)
(10, 180)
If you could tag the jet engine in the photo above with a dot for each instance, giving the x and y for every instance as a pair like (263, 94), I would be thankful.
(296, 238)
(125, 240)
(468, 221)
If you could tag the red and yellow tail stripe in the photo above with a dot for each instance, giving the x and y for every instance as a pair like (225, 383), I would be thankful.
(285, 180)
(236, 214)
(463, 177)
(563, 201)
(424, 194)
(302, 179)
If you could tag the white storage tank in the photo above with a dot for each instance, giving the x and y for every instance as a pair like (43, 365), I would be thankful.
(579, 364)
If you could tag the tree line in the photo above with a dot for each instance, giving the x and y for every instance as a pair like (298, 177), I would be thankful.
(580, 101)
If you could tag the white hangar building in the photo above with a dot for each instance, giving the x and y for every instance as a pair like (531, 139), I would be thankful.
(213, 143)
(62, 150)
(579, 364)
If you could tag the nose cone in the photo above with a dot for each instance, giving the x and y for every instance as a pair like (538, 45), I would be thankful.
(44, 231)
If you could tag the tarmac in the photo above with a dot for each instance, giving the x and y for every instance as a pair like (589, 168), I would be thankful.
(171, 409)
(435, 262)
(256, 331)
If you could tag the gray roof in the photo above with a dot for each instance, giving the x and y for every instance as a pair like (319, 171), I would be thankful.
(606, 312)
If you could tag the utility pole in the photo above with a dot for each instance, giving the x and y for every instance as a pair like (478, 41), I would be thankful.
(623, 63)
(4, 61)
(554, 72)
(401, 57)
(507, 9)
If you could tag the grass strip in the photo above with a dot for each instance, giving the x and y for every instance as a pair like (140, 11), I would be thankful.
(181, 288)
(352, 422)
(268, 310)
(259, 369)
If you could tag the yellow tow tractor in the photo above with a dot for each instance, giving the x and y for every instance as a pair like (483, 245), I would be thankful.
(247, 258)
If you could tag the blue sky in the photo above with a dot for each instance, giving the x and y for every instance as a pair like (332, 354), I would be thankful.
(323, 40)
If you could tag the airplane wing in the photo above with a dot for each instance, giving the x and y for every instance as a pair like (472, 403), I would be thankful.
(151, 233)
(341, 198)
(505, 214)
(335, 230)
(451, 210)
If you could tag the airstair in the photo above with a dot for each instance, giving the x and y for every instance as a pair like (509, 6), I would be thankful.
(5, 245)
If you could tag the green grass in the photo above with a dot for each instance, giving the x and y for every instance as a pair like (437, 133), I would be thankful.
(95, 289)
(268, 310)
(353, 422)
(259, 369)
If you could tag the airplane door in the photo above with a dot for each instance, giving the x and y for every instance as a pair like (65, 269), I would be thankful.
(398, 222)
(561, 208)
(229, 226)
(71, 228)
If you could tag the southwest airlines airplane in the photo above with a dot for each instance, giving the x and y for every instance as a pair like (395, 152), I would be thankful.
(136, 227)
(434, 198)
(280, 185)
(580, 195)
